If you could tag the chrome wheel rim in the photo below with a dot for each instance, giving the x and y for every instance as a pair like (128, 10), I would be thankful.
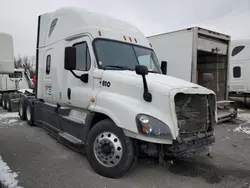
(7, 105)
(28, 114)
(108, 149)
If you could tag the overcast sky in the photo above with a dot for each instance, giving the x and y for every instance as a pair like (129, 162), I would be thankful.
(19, 17)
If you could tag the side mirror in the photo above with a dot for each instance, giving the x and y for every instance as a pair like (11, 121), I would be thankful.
(84, 78)
(141, 70)
(70, 58)
(164, 67)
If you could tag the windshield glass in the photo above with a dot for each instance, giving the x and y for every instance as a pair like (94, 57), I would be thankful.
(118, 55)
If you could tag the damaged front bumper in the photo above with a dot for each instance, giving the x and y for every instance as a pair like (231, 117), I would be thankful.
(190, 145)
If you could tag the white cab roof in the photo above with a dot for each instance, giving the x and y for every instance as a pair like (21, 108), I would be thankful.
(73, 21)
(240, 49)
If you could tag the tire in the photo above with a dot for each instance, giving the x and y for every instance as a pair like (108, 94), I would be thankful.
(8, 103)
(22, 109)
(4, 101)
(119, 159)
(29, 113)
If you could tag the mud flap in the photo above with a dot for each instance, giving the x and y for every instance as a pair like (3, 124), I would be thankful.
(14, 104)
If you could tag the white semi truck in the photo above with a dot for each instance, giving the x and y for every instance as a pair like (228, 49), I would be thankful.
(12, 85)
(101, 90)
(195, 53)
(239, 85)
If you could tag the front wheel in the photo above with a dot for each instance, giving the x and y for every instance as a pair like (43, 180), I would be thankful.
(109, 152)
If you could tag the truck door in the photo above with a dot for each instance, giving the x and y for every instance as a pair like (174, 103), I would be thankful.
(47, 82)
(79, 92)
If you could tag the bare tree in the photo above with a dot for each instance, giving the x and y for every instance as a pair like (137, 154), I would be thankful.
(18, 62)
(28, 63)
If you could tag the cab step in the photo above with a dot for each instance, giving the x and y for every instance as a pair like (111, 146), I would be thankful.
(71, 139)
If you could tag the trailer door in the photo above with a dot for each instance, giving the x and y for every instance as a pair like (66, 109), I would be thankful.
(212, 57)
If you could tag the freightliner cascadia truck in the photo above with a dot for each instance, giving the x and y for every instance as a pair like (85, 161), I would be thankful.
(101, 90)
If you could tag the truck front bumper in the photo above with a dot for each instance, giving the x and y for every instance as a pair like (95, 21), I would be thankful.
(190, 145)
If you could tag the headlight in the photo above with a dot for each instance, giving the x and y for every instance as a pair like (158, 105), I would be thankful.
(150, 126)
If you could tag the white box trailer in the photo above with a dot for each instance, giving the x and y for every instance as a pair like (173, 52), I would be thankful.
(192, 53)
(6, 53)
(239, 84)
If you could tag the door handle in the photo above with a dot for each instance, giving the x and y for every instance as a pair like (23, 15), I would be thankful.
(69, 93)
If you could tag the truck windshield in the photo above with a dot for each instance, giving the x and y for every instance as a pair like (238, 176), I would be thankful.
(118, 55)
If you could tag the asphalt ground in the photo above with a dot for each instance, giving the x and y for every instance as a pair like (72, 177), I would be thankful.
(38, 160)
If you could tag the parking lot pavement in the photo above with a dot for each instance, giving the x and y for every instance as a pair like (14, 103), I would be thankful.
(29, 157)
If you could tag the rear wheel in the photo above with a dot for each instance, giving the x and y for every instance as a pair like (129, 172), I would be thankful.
(4, 101)
(29, 114)
(109, 152)
(8, 103)
(21, 109)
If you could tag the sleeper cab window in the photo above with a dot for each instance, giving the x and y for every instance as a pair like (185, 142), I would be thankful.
(52, 26)
(48, 64)
(82, 56)
(237, 50)
(237, 72)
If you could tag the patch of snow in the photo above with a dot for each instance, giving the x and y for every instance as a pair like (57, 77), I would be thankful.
(23, 90)
(12, 121)
(9, 115)
(7, 177)
(242, 129)
(241, 110)
(244, 116)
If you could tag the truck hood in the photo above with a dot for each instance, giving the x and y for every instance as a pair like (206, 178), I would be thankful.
(156, 82)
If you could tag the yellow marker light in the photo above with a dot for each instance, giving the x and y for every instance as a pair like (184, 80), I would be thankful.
(92, 99)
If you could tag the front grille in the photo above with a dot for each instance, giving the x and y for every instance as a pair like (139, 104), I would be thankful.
(193, 112)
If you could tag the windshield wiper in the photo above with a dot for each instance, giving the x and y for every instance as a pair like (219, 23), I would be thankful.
(118, 66)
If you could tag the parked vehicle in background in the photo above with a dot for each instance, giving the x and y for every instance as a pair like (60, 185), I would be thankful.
(196, 54)
(239, 87)
(11, 87)
(12, 81)
(101, 90)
